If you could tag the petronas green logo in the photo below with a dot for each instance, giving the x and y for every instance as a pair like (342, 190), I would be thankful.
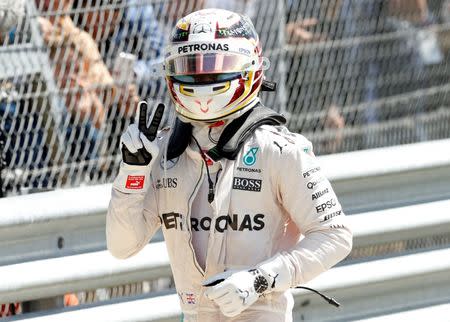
(250, 157)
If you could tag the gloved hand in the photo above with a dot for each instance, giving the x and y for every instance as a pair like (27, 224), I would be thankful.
(139, 152)
(235, 291)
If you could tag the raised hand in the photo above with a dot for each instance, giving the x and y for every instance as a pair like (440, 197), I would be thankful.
(152, 129)
(138, 147)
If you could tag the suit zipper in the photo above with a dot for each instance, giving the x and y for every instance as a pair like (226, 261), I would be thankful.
(212, 229)
(188, 219)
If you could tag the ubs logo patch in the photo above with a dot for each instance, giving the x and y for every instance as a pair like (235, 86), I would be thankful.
(166, 183)
(247, 184)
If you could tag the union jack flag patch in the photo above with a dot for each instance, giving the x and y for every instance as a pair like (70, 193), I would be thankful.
(190, 298)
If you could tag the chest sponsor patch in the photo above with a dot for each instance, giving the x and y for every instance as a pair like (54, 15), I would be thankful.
(252, 170)
(135, 182)
(249, 158)
(319, 194)
(332, 215)
(166, 183)
(312, 184)
(234, 222)
(247, 184)
(326, 205)
(310, 172)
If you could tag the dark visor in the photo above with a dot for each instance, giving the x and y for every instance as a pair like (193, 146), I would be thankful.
(202, 79)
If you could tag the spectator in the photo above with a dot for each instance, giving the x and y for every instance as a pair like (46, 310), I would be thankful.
(358, 72)
(129, 26)
(140, 33)
(444, 35)
(71, 299)
(299, 29)
(305, 20)
(10, 309)
(317, 88)
(10, 12)
(336, 123)
(23, 144)
(79, 66)
(91, 95)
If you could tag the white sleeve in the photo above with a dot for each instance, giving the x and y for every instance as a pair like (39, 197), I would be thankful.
(312, 204)
(130, 224)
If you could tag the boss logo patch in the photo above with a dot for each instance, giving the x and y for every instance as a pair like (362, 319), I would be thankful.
(247, 184)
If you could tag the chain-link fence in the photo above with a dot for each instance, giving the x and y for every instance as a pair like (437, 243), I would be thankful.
(351, 74)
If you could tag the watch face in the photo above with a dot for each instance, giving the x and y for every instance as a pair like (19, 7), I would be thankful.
(260, 284)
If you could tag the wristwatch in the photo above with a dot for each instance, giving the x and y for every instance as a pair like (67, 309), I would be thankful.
(260, 283)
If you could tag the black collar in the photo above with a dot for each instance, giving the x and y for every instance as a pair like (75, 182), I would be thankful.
(233, 136)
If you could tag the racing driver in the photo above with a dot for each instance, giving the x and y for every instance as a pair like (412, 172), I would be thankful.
(243, 204)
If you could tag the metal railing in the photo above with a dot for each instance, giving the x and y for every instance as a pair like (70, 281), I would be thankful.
(439, 313)
(43, 233)
(72, 221)
(390, 177)
(364, 289)
(56, 276)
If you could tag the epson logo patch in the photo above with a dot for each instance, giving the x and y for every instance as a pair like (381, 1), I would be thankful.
(326, 205)
(247, 184)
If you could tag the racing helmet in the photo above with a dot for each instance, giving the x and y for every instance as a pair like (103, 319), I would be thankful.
(213, 65)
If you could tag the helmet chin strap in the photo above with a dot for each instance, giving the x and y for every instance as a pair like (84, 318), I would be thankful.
(208, 134)
(232, 137)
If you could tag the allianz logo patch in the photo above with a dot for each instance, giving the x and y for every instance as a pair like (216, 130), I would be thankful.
(247, 184)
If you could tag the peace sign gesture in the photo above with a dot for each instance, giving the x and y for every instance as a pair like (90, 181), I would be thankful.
(152, 129)
(138, 147)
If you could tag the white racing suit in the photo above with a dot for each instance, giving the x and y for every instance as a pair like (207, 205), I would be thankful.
(273, 208)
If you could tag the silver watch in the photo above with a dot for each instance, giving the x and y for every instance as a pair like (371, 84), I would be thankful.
(260, 283)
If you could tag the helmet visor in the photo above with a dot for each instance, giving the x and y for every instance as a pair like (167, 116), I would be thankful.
(210, 63)
(203, 79)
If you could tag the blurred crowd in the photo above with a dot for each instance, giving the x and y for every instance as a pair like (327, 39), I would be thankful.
(395, 49)
(335, 61)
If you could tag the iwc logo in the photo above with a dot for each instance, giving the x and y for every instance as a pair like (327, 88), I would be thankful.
(249, 158)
